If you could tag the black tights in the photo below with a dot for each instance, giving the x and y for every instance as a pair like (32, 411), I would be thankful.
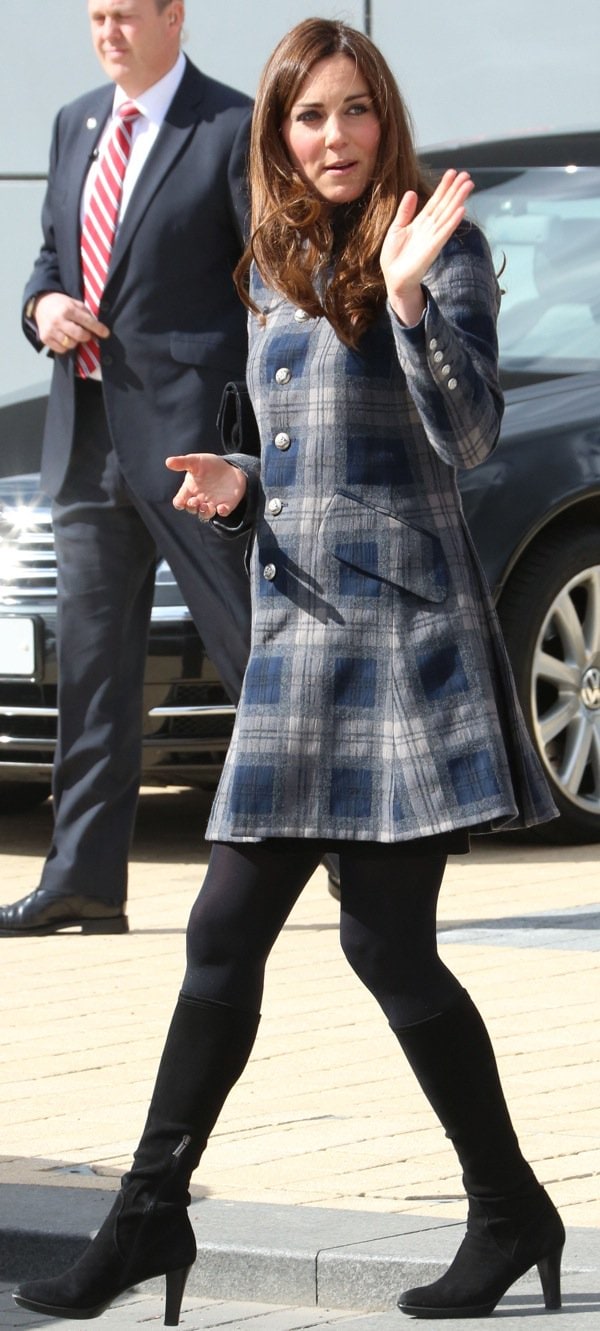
(389, 899)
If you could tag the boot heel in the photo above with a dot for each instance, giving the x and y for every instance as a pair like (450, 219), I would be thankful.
(549, 1271)
(175, 1282)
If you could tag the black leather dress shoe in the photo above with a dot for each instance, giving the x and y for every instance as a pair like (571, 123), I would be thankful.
(45, 913)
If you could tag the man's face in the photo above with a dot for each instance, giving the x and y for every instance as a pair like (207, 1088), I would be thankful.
(136, 43)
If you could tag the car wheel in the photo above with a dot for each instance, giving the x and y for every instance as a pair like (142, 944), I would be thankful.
(21, 798)
(550, 614)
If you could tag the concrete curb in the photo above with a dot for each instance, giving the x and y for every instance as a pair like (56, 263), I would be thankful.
(301, 1256)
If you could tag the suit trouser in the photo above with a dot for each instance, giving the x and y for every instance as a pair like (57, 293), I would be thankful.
(108, 541)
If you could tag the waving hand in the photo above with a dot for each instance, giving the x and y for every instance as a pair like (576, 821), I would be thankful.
(415, 239)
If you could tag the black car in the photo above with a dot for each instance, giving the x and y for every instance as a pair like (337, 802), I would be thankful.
(187, 716)
(533, 509)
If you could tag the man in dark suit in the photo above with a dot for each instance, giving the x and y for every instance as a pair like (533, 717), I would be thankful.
(168, 331)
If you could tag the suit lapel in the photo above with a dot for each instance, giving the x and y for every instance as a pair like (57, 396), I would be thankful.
(179, 123)
(93, 119)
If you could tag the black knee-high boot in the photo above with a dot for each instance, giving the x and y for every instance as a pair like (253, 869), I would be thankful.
(147, 1232)
(512, 1224)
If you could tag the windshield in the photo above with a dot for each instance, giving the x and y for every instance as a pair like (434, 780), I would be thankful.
(543, 225)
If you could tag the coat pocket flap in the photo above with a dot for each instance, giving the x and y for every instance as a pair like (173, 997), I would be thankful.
(383, 546)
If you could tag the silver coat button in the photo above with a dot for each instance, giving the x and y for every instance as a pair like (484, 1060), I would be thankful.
(269, 572)
(437, 357)
(301, 316)
(275, 506)
(282, 440)
(445, 370)
(433, 344)
(283, 375)
(452, 384)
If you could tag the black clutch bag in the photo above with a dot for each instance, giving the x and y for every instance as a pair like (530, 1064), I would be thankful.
(236, 421)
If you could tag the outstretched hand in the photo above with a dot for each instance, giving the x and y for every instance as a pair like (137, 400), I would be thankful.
(211, 487)
(415, 239)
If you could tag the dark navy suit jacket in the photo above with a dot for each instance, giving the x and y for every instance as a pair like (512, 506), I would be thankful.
(178, 329)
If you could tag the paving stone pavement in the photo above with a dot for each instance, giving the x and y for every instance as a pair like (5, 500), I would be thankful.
(327, 1114)
(518, 1312)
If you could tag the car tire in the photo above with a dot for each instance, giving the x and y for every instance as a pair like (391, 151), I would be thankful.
(550, 614)
(21, 798)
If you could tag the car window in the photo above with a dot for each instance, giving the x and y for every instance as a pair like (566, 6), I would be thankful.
(543, 226)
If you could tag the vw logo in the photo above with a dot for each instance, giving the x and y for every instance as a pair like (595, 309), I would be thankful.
(590, 688)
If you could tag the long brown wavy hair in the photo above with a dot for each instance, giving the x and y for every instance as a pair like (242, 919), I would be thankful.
(325, 259)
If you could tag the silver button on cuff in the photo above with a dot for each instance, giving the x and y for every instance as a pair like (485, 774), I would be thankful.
(269, 572)
(283, 375)
(452, 383)
(301, 316)
(275, 506)
(282, 441)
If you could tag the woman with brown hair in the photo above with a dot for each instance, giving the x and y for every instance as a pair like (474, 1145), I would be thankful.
(378, 717)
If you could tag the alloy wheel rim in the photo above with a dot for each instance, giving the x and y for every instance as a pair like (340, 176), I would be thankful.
(565, 691)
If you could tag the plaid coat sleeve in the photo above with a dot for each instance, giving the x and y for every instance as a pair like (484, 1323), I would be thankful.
(450, 358)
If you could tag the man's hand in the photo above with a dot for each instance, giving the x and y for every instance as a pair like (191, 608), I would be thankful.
(63, 322)
(211, 487)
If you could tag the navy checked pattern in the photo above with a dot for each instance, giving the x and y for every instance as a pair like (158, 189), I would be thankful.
(279, 468)
(369, 709)
(287, 351)
(375, 358)
(353, 582)
(402, 809)
(355, 682)
(442, 673)
(350, 796)
(473, 777)
(263, 681)
(376, 462)
(252, 789)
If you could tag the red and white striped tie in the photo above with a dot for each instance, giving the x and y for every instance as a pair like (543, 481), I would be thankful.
(100, 224)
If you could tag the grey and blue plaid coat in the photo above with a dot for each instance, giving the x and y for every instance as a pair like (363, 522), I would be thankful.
(378, 702)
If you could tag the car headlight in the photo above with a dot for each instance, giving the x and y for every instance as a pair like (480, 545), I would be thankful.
(16, 519)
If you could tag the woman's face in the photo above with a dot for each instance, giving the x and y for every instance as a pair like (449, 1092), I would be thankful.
(332, 132)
